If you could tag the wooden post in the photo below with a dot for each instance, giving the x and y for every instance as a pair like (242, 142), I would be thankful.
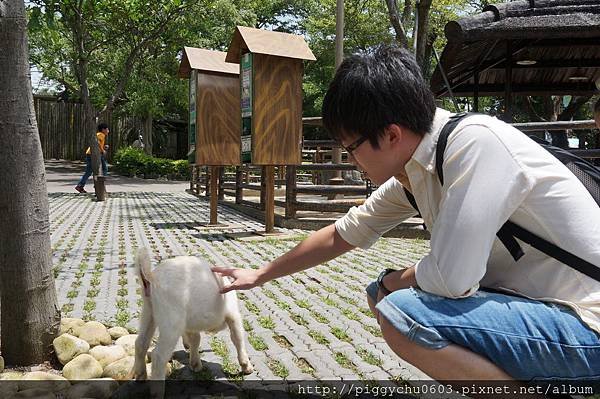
(207, 182)
(221, 173)
(239, 179)
(269, 178)
(508, 95)
(263, 187)
(100, 188)
(214, 195)
(290, 191)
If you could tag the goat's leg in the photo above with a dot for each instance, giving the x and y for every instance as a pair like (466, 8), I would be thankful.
(193, 339)
(236, 331)
(167, 339)
(142, 342)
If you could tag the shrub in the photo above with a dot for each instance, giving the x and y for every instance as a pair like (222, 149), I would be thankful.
(131, 161)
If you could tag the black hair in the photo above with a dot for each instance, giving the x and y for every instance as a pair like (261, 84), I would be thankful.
(102, 126)
(375, 89)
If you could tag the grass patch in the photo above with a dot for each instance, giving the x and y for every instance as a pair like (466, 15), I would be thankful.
(247, 325)
(266, 322)
(298, 319)
(350, 314)
(343, 361)
(278, 368)
(368, 357)
(319, 317)
(282, 341)
(305, 366)
(303, 303)
(340, 334)
(373, 331)
(252, 307)
(72, 294)
(89, 305)
(318, 337)
(257, 342)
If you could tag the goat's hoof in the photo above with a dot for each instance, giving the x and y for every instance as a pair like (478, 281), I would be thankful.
(247, 368)
(196, 366)
(141, 376)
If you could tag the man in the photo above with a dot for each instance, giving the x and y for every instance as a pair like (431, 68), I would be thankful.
(101, 135)
(462, 311)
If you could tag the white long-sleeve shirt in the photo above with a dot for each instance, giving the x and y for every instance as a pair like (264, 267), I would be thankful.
(492, 172)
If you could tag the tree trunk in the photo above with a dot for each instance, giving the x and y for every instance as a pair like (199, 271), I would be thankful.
(422, 31)
(396, 22)
(29, 313)
(148, 134)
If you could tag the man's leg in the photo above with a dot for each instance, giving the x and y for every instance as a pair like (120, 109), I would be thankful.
(86, 174)
(488, 336)
(452, 362)
(104, 166)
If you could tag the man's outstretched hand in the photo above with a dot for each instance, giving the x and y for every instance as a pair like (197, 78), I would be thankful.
(243, 279)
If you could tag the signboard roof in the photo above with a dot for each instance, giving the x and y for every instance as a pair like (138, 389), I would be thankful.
(206, 61)
(267, 42)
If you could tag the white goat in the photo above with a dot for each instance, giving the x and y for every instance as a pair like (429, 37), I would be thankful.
(182, 298)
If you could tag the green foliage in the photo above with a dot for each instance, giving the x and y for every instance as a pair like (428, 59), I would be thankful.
(135, 162)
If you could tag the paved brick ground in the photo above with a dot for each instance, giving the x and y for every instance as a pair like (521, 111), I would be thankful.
(313, 325)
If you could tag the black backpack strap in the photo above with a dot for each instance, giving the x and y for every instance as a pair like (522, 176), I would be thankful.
(411, 199)
(443, 140)
(552, 250)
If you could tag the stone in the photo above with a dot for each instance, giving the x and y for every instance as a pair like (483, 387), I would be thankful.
(119, 370)
(94, 333)
(54, 382)
(97, 388)
(128, 343)
(69, 325)
(83, 367)
(68, 346)
(107, 354)
(117, 332)
(11, 376)
(36, 393)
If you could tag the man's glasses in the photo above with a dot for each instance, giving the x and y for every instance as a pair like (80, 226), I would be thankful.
(353, 146)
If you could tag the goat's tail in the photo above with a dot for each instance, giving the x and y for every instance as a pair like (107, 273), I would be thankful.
(142, 264)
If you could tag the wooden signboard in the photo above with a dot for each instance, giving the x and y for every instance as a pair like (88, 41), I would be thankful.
(271, 94)
(214, 106)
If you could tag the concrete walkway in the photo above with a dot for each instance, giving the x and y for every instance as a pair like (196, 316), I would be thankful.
(62, 177)
(313, 325)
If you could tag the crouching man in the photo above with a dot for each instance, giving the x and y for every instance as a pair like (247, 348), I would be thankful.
(468, 309)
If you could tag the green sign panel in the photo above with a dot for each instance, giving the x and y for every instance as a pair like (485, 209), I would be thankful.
(246, 105)
(192, 124)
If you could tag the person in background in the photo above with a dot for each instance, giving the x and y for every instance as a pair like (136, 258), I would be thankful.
(101, 135)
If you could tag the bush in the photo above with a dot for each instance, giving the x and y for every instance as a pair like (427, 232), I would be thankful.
(132, 162)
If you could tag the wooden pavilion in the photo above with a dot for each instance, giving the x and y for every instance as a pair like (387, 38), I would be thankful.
(525, 47)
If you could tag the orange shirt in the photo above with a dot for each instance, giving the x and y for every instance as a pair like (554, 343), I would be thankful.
(101, 139)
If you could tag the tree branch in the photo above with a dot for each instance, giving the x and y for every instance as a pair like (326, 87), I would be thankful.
(397, 23)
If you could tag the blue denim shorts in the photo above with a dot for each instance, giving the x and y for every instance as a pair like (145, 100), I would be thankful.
(530, 340)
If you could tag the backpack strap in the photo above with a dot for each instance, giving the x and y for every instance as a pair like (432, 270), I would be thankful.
(510, 230)
(577, 263)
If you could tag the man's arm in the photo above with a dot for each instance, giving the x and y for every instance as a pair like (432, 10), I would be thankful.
(319, 247)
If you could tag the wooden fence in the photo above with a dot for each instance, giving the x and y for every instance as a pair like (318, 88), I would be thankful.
(62, 133)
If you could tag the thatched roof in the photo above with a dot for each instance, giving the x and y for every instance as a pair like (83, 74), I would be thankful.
(561, 36)
(205, 61)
